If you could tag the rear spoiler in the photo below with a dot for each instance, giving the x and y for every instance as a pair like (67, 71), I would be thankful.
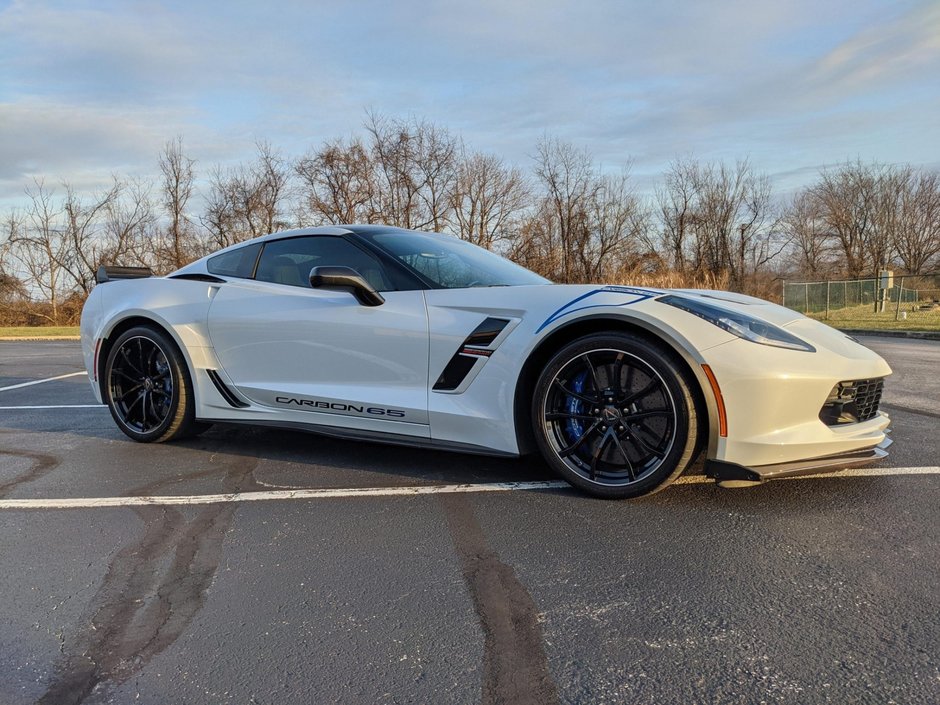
(110, 274)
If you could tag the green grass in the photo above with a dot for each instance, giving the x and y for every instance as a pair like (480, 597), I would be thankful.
(865, 318)
(38, 331)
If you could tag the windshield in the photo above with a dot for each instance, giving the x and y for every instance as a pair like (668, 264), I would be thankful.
(450, 263)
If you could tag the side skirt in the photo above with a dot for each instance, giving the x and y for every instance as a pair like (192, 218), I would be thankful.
(372, 436)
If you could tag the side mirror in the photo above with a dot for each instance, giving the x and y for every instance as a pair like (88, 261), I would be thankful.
(345, 279)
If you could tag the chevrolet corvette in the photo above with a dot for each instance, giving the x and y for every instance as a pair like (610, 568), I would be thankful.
(383, 334)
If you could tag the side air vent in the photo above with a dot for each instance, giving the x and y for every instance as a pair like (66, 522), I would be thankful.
(455, 372)
(473, 348)
(226, 393)
(486, 332)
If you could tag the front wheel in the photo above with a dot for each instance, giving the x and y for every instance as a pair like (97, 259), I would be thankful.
(614, 415)
(148, 388)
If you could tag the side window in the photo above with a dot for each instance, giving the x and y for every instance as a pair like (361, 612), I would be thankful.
(236, 263)
(289, 261)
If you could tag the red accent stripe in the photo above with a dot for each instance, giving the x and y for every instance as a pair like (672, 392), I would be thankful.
(475, 351)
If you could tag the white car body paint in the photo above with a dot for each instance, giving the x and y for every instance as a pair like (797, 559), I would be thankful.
(268, 341)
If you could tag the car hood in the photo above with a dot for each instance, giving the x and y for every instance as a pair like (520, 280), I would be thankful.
(765, 310)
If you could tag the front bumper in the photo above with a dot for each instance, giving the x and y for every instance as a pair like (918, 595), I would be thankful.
(773, 399)
(732, 473)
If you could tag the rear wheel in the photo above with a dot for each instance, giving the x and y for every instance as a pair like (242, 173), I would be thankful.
(614, 415)
(148, 388)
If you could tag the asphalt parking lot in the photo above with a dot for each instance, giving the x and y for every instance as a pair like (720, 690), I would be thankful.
(799, 591)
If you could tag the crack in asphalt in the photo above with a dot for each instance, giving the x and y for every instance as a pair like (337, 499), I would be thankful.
(515, 668)
(153, 589)
(42, 464)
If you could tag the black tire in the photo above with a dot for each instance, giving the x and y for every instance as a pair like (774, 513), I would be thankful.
(147, 387)
(614, 415)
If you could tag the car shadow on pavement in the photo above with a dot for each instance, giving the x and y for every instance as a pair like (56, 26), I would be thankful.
(286, 458)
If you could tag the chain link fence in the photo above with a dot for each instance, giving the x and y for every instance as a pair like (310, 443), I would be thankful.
(901, 301)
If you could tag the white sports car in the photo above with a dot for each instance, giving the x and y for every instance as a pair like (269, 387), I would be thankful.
(378, 333)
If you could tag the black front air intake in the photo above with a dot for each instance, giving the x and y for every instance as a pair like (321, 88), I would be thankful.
(852, 402)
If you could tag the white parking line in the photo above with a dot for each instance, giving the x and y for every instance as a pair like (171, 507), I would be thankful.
(40, 381)
(57, 406)
(89, 502)
(869, 472)
(82, 502)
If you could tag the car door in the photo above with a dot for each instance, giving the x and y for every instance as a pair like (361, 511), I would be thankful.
(319, 354)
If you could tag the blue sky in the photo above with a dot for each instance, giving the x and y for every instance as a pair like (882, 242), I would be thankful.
(88, 89)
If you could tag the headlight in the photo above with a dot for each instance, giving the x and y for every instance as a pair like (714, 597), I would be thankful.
(740, 324)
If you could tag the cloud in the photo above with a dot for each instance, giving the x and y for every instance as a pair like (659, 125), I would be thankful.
(94, 51)
(80, 144)
(894, 50)
(95, 87)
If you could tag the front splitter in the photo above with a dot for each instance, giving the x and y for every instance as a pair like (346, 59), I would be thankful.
(734, 475)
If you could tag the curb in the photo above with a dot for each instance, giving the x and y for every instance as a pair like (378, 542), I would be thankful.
(916, 334)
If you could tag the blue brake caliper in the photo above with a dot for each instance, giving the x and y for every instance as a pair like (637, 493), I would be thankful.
(575, 427)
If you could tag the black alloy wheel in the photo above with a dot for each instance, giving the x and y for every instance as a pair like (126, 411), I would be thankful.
(147, 387)
(614, 415)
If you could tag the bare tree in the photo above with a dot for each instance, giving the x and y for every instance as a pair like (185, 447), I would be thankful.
(566, 218)
(177, 189)
(219, 217)
(733, 220)
(675, 201)
(436, 168)
(568, 178)
(487, 200)
(267, 188)
(589, 226)
(129, 227)
(337, 183)
(248, 200)
(848, 200)
(534, 245)
(12, 289)
(83, 228)
(917, 237)
(415, 164)
(803, 225)
(40, 243)
(616, 222)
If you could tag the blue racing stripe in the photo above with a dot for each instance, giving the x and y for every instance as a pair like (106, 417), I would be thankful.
(641, 294)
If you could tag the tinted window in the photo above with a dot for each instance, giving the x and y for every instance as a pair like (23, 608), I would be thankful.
(451, 263)
(235, 263)
(290, 261)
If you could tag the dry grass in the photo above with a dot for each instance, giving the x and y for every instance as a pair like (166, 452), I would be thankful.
(673, 280)
(38, 332)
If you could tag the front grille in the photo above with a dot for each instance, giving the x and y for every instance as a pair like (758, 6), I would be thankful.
(852, 402)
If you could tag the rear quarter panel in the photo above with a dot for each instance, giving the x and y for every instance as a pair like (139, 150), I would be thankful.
(178, 306)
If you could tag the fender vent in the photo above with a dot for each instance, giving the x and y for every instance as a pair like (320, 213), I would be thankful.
(226, 393)
(472, 348)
